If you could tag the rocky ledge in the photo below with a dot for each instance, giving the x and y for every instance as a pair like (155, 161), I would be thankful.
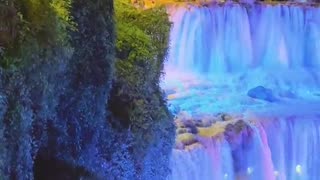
(191, 131)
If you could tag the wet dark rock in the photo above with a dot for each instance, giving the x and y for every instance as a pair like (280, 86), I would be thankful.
(192, 130)
(240, 138)
(181, 131)
(238, 134)
(204, 123)
(262, 93)
(225, 117)
(189, 123)
(186, 126)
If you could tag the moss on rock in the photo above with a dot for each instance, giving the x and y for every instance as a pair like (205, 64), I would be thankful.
(186, 138)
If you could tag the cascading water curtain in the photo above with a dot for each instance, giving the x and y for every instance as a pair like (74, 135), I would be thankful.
(242, 46)
(276, 43)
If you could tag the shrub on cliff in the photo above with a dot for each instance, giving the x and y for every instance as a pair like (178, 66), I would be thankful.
(136, 98)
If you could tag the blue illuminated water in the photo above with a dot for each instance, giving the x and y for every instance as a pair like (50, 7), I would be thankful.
(278, 149)
(233, 38)
(221, 51)
(231, 48)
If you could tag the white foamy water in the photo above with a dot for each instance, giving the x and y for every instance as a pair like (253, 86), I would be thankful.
(277, 149)
(219, 52)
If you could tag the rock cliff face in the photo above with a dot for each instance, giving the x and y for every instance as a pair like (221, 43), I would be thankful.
(53, 110)
(55, 120)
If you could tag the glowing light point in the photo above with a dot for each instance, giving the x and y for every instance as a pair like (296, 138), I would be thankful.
(226, 176)
(249, 170)
(276, 173)
(299, 169)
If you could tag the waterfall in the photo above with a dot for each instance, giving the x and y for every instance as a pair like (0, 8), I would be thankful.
(235, 37)
(276, 149)
(260, 44)
(220, 51)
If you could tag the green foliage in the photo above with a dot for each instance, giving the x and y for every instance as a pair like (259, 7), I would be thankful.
(147, 29)
(32, 26)
(136, 98)
(142, 42)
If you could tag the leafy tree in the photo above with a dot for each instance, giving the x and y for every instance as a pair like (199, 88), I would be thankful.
(136, 98)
